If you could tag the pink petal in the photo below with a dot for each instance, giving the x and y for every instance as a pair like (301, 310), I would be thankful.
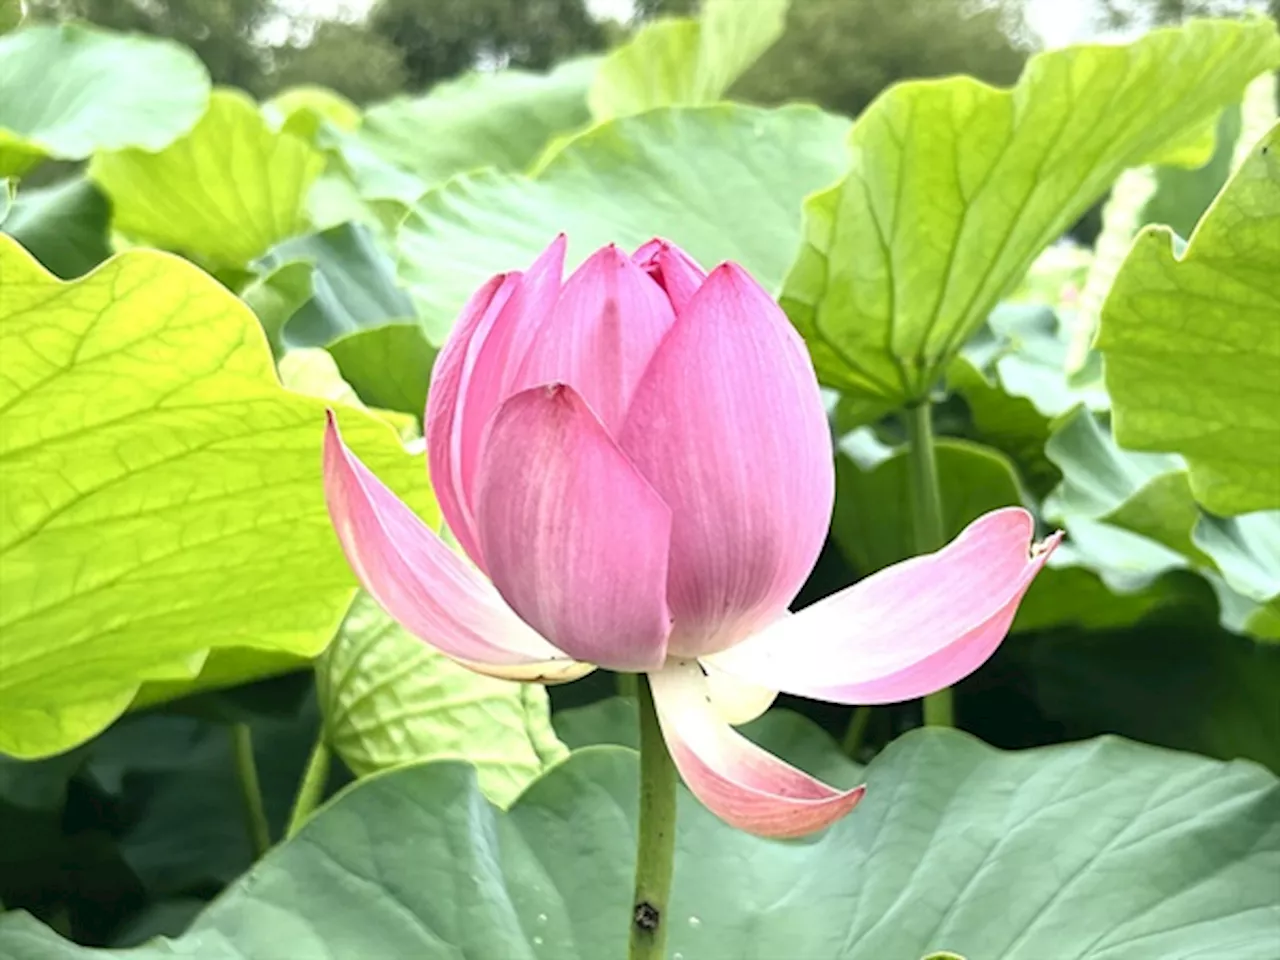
(481, 361)
(742, 784)
(608, 321)
(910, 629)
(729, 427)
(575, 538)
(443, 422)
(417, 579)
(674, 270)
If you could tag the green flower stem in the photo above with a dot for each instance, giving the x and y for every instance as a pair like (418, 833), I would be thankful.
(656, 848)
(255, 815)
(926, 513)
(856, 730)
(628, 684)
(312, 787)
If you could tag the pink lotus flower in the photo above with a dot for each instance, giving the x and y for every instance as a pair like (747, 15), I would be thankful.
(637, 461)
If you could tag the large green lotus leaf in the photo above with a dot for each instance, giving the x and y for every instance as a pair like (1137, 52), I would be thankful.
(224, 193)
(955, 187)
(389, 699)
(784, 733)
(1095, 851)
(354, 285)
(502, 120)
(162, 492)
(68, 91)
(1175, 678)
(686, 62)
(1192, 342)
(873, 515)
(724, 182)
(65, 226)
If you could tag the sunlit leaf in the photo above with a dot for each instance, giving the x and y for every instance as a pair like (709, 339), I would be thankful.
(69, 90)
(1192, 342)
(1182, 196)
(303, 111)
(223, 193)
(162, 493)
(389, 699)
(955, 187)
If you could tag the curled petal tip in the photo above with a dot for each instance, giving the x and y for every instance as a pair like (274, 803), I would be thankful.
(744, 785)
(1048, 544)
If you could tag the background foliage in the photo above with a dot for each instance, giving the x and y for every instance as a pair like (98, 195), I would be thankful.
(208, 238)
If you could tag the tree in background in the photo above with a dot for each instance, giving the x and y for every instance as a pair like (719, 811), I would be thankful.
(1149, 13)
(443, 38)
(222, 32)
(649, 9)
(841, 53)
(346, 57)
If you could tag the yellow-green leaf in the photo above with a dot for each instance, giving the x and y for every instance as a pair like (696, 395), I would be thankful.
(686, 62)
(1192, 342)
(389, 699)
(224, 193)
(162, 493)
(956, 186)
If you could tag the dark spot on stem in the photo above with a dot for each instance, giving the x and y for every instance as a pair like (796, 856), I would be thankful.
(647, 916)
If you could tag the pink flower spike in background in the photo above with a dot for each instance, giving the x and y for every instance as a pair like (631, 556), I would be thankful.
(637, 462)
